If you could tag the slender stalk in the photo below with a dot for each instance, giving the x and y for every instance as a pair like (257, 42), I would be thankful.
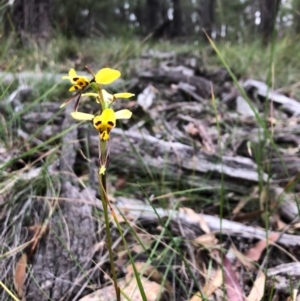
(136, 273)
(8, 291)
(102, 189)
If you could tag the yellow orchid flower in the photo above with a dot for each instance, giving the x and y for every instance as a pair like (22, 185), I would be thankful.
(107, 97)
(105, 122)
(106, 76)
(79, 82)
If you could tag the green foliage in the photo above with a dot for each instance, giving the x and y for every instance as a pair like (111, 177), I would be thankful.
(232, 20)
(253, 60)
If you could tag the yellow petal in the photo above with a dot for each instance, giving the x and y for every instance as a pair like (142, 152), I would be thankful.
(82, 116)
(123, 95)
(108, 115)
(90, 94)
(123, 114)
(73, 88)
(72, 73)
(106, 76)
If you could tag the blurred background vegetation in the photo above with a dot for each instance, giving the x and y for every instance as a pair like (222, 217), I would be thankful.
(56, 35)
(236, 21)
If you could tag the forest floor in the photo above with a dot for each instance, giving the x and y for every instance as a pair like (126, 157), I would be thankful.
(204, 176)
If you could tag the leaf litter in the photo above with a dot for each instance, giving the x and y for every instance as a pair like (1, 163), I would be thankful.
(207, 151)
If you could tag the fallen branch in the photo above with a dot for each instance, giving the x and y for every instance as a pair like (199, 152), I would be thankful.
(147, 155)
(140, 210)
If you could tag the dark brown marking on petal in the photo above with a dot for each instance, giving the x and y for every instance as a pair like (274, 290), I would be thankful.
(76, 87)
(75, 79)
(111, 123)
(81, 84)
(98, 123)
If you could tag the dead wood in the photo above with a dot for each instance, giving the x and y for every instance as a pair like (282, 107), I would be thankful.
(219, 157)
(284, 276)
(182, 163)
(59, 266)
(203, 87)
(29, 77)
(287, 104)
(65, 253)
(228, 228)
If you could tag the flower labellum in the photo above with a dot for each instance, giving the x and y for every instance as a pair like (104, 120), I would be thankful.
(105, 122)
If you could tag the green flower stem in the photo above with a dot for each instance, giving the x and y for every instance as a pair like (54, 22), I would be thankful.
(102, 102)
(135, 271)
(104, 199)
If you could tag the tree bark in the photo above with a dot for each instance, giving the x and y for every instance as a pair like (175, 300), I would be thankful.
(207, 17)
(269, 10)
(32, 18)
(177, 19)
(296, 17)
(152, 13)
(65, 253)
(157, 21)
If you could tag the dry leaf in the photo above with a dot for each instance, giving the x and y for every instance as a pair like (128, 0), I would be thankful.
(255, 252)
(277, 222)
(193, 216)
(292, 182)
(120, 183)
(241, 204)
(215, 283)
(146, 241)
(246, 262)
(296, 226)
(153, 291)
(145, 269)
(271, 121)
(203, 224)
(207, 240)
(257, 291)
(233, 288)
(118, 217)
(122, 258)
(243, 201)
(294, 297)
(191, 129)
(210, 286)
(263, 199)
(20, 275)
(147, 97)
(39, 231)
